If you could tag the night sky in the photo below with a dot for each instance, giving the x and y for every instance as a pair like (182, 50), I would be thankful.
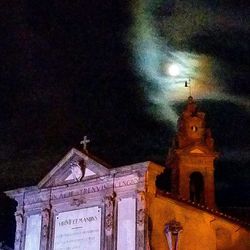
(98, 68)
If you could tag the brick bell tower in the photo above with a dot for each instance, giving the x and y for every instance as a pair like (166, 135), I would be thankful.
(191, 158)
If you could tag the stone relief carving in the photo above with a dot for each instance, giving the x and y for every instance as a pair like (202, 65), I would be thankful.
(140, 217)
(45, 222)
(19, 227)
(36, 197)
(141, 198)
(140, 240)
(109, 205)
(78, 202)
(76, 170)
(109, 222)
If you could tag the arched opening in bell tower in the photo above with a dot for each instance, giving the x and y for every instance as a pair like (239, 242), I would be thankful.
(196, 187)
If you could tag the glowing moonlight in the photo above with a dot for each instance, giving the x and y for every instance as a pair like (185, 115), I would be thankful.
(173, 70)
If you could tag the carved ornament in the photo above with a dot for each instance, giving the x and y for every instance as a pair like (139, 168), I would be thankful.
(140, 217)
(76, 171)
(78, 202)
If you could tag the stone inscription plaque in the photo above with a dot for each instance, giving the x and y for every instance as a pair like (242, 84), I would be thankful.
(78, 229)
(126, 224)
(33, 232)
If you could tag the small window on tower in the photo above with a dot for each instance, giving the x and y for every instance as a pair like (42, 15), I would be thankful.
(194, 128)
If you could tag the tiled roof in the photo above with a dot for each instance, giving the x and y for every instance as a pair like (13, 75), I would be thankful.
(203, 207)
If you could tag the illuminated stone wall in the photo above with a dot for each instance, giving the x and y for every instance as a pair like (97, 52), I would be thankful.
(202, 230)
(114, 209)
(101, 211)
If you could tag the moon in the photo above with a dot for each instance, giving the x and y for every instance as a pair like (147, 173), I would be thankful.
(173, 70)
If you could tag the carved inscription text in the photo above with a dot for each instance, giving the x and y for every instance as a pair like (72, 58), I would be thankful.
(96, 188)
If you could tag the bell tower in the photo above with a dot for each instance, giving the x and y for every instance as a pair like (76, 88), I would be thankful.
(192, 156)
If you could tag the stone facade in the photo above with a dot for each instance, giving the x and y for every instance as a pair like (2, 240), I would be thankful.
(85, 204)
(60, 191)
(202, 228)
(127, 198)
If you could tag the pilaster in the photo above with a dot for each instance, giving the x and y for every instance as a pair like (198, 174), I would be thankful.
(19, 216)
(109, 202)
(141, 221)
(45, 228)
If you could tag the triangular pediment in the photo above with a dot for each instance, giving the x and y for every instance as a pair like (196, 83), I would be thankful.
(197, 151)
(74, 167)
(87, 173)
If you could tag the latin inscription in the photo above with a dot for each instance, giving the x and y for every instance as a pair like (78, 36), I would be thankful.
(78, 229)
(97, 188)
(122, 183)
(77, 221)
(36, 198)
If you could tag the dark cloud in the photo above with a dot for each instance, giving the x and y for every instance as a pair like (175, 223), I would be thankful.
(67, 70)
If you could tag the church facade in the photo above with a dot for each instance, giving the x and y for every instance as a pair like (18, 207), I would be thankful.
(85, 204)
(81, 204)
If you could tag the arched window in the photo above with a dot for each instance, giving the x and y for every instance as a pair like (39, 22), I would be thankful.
(194, 128)
(196, 187)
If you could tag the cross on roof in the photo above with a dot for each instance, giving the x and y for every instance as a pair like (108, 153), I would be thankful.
(84, 142)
